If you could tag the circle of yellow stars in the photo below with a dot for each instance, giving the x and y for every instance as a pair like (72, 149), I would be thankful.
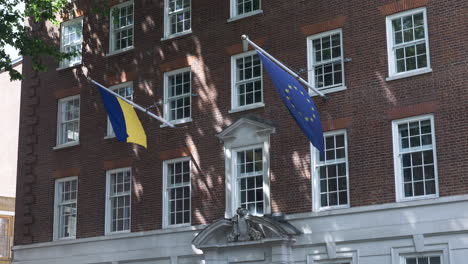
(306, 118)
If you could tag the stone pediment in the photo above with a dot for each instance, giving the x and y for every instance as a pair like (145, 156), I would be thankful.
(247, 127)
(263, 230)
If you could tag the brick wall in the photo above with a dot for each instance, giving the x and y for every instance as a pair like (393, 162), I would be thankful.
(365, 109)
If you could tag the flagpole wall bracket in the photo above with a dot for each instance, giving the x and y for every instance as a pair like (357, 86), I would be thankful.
(245, 43)
(154, 105)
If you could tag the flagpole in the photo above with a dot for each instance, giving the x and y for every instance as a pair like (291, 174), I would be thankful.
(132, 103)
(295, 75)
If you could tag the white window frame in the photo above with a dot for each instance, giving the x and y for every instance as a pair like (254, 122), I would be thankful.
(108, 213)
(424, 255)
(397, 158)
(316, 206)
(166, 222)
(110, 131)
(166, 95)
(234, 104)
(266, 179)
(400, 253)
(66, 63)
(236, 16)
(311, 65)
(112, 48)
(57, 203)
(59, 143)
(392, 74)
(167, 21)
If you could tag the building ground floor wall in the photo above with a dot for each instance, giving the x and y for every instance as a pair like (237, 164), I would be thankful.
(383, 234)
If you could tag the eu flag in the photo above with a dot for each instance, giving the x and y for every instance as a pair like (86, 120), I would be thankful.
(298, 102)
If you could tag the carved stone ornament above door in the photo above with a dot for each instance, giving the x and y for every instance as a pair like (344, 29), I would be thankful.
(245, 238)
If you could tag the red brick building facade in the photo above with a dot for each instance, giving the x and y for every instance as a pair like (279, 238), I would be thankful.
(374, 96)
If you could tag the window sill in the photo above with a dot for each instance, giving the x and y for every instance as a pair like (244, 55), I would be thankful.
(117, 233)
(109, 137)
(176, 35)
(329, 90)
(331, 208)
(408, 74)
(247, 107)
(253, 13)
(176, 226)
(417, 198)
(113, 53)
(66, 145)
(64, 238)
(178, 122)
(61, 68)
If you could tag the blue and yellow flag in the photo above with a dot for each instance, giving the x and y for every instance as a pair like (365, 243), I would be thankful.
(124, 120)
(298, 102)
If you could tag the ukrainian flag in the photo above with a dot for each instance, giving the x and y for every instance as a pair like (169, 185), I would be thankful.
(124, 120)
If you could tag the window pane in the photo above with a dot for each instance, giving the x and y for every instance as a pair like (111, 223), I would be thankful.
(422, 61)
(408, 190)
(426, 140)
(430, 187)
(407, 22)
(410, 63)
(423, 260)
(323, 185)
(417, 173)
(407, 175)
(323, 200)
(343, 198)
(333, 199)
(401, 66)
(429, 172)
(330, 142)
(408, 35)
(419, 33)
(396, 24)
(418, 19)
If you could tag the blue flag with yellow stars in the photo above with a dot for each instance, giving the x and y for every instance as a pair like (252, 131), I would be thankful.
(298, 102)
